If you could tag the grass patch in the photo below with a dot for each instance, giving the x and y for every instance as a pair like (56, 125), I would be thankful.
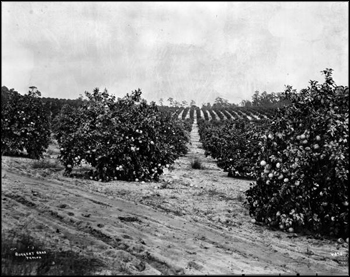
(214, 192)
(22, 254)
(196, 163)
(219, 194)
(46, 163)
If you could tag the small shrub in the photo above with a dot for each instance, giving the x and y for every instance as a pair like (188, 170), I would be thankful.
(196, 164)
(240, 197)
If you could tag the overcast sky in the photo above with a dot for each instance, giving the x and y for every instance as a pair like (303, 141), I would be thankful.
(184, 50)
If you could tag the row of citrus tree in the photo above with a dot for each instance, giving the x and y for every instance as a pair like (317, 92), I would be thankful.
(126, 139)
(299, 159)
(235, 144)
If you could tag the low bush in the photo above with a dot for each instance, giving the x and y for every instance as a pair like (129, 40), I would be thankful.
(196, 163)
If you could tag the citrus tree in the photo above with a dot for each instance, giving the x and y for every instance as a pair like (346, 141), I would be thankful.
(303, 166)
(24, 125)
(124, 139)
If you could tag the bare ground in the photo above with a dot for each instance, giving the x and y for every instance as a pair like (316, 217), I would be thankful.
(191, 222)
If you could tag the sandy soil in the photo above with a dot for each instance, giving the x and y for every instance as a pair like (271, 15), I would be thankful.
(191, 222)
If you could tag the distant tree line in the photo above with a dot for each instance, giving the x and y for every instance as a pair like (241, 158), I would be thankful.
(264, 99)
(175, 103)
(269, 100)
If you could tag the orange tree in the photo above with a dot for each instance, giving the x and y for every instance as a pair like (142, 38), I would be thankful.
(303, 167)
(124, 139)
(24, 125)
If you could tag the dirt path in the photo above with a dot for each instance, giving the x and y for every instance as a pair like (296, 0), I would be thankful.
(191, 222)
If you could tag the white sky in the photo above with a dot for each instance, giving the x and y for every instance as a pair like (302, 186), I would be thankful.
(184, 50)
